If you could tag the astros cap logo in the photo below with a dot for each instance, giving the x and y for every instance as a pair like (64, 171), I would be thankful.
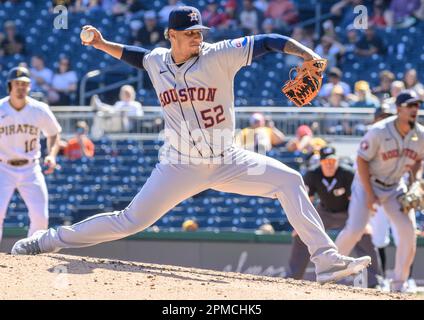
(193, 16)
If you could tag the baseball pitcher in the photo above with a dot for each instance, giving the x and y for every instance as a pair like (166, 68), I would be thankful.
(194, 83)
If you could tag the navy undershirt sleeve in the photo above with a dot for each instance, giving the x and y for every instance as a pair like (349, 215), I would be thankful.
(265, 43)
(134, 56)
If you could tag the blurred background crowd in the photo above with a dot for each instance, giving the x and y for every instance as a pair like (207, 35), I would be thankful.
(367, 66)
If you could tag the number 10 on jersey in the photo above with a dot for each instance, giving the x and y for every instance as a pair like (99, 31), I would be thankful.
(30, 145)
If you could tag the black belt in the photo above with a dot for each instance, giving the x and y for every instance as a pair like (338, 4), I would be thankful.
(384, 184)
(17, 162)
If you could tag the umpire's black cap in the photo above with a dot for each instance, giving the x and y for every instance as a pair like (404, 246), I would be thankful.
(327, 153)
(407, 97)
(185, 18)
(19, 73)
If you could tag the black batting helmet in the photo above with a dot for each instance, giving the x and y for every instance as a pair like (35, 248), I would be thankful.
(18, 73)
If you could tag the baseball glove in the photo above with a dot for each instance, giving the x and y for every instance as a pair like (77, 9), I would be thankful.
(305, 87)
(413, 198)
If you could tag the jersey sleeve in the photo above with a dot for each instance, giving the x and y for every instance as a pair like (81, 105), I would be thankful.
(50, 125)
(237, 52)
(369, 145)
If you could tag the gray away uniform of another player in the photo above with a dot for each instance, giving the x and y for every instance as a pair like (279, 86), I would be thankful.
(199, 95)
(389, 156)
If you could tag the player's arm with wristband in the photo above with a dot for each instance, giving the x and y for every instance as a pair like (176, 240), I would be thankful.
(130, 54)
(265, 43)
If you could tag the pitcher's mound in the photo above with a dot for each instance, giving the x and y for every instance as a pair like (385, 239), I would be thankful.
(57, 276)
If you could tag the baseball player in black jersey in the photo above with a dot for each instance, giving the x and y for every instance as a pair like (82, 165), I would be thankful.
(331, 181)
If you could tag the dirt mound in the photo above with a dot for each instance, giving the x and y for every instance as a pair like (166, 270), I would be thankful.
(57, 276)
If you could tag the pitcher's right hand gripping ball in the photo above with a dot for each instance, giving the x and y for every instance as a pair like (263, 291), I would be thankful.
(305, 87)
(90, 36)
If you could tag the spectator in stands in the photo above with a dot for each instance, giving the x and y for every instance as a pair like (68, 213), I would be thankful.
(383, 90)
(259, 137)
(304, 37)
(401, 13)
(41, 76)
(261, 5)
(379, 14)
(370, 44)
(127, 8)
(190, 225)
(268, 26)
(107, 5)
(395, 88)
(330, 49)
(328, 29)
(64, 84)
(283, 12)
(344, 10)
(85, 6)
(265, 228)
(412, 83)
(419, 14)
(363, 98)
(122, 116)
(12, 43)
(352, 40)
(230, 13)
(61, 2)
(212, 17)
(305, 142)
(166, 10)
(151, 34)
(334, 79)
(337, 98)
(249, 18)
(80, 146)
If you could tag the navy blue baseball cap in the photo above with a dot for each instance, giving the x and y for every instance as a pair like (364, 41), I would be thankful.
(19, 73)
(407, 97)
(185, 18)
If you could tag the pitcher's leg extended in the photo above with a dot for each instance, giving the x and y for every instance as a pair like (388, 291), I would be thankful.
(161, 192)
(277, 180)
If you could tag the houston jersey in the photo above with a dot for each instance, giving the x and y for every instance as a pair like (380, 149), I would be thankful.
(197, 98)
(389, 154)
(20, 130)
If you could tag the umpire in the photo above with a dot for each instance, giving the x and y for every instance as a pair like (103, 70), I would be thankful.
(331, 181)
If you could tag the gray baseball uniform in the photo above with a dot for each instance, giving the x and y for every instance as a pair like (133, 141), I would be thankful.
(389, 156)
(198, 107)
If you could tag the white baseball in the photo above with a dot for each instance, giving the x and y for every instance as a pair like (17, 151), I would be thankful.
(87, 36)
